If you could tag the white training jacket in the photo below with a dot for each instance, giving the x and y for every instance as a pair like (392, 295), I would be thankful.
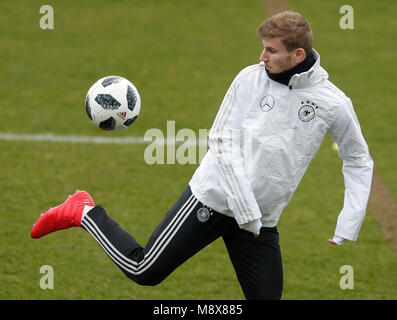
(263, 139)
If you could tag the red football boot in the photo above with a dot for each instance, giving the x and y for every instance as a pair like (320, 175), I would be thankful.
(66, 215)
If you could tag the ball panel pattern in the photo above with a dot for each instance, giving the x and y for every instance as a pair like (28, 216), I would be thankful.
(107, 102)
(131, 98)
(108, 124)
(110, 80)
(129, 122)
(87, 107)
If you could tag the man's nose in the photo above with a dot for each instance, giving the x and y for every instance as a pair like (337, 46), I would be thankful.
(264, 56)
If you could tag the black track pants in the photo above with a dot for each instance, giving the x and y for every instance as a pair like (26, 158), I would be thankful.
(187, 228)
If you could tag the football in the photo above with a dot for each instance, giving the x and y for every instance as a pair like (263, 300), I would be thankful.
(113, 103)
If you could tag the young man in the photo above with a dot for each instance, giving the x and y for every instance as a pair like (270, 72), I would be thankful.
(270, 125)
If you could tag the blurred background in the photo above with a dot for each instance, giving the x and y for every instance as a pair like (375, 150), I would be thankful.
(182, 57)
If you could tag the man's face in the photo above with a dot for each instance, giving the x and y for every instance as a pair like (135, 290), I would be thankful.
(276, 56)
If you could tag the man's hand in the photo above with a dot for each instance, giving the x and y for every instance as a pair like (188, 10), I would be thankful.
(337, 241)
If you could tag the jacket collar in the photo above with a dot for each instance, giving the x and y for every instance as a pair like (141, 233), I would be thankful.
(310, 77)
(285, 76)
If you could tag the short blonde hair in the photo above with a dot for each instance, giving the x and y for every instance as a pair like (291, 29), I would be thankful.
(291, 27)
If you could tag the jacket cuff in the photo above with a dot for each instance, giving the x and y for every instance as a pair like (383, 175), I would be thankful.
(339, 240)
(252, 226)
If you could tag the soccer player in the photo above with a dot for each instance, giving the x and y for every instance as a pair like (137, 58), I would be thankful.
(269, 127)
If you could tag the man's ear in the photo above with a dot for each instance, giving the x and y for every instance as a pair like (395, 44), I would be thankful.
(299, 55)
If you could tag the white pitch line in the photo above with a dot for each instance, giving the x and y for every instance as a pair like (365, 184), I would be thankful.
(50, 137)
